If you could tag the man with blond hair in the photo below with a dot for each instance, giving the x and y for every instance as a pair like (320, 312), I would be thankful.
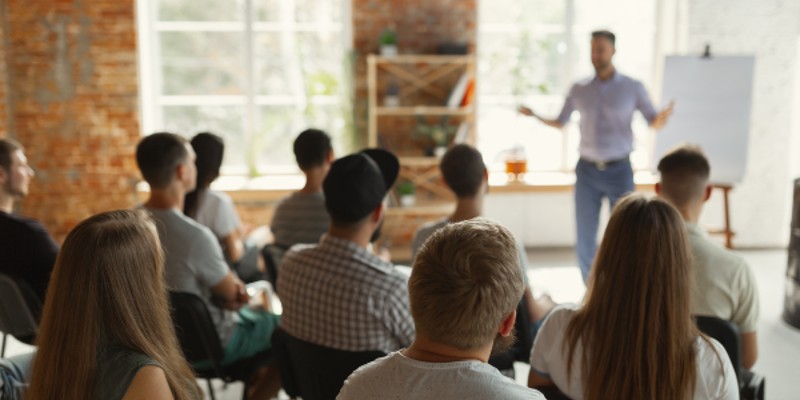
(464, 289)
(725, 286)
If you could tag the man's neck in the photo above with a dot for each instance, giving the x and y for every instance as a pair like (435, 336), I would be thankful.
(360, 236)
(606, 73)
(314, 179)
(427, 350)
(167, 198)
(691, 213)
(467, 208)
(6, 203)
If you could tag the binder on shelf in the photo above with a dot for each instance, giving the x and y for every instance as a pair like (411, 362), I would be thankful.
(458, 92)
(469, 94)
(461, 133)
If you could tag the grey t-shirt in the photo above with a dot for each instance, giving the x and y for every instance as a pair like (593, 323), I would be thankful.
(194, 263)
(300, 218)
(399, 377)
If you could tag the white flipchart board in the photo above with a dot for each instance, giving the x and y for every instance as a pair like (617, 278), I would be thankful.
(712, 109)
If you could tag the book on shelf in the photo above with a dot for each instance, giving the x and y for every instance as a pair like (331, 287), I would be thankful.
(469, 94)
(458, 92)
(461, 133)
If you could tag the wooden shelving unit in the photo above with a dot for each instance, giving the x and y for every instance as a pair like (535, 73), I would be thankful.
(419, 78)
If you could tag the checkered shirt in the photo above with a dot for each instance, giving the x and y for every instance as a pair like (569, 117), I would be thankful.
(337, 294)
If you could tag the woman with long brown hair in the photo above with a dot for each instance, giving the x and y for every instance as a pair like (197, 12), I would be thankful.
(634, 337)
(106, 332)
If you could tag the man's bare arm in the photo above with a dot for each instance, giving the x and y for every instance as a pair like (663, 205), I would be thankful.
(549, 122)
(749, 349)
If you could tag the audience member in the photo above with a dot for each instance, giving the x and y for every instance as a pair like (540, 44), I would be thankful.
(464, 290)
(634, 337)
(725, 286)
(27, 250)
(337, 293)
(106, 331)
(301, 217)
(216, 210)
(465, 174)
(194, 262)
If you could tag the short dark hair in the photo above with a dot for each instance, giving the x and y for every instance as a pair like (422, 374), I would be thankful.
(311, 148)
(605, 34)
(158, 155)
(462, 168)
(7, 147)
(684, 174)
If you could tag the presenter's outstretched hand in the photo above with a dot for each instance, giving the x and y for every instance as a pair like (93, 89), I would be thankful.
(662, 117)
(526, 111)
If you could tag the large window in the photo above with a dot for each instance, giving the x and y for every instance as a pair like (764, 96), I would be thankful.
(531, 51)
(256, 72)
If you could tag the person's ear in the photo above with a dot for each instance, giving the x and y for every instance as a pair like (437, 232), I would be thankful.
(378, 213)
(658, 188)
(707, 194)
(508, 324)
(330, 156)
(180, 172)
(3, 176)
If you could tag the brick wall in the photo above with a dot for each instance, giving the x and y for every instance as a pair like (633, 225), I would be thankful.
(73, 85)
(4, 114)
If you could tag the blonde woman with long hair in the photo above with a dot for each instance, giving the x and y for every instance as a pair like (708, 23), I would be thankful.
(634, 337)
(106, 331)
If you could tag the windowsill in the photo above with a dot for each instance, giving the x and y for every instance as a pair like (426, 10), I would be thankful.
(277, 186)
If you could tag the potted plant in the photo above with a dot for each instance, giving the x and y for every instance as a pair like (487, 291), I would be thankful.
(407, 193)
(388, 42)
(439, 135)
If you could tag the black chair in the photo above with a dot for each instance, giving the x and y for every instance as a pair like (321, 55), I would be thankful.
(272, 255)
(522, 347)
(314, 372)
(19, 308)
(751, 385)
(199, 341)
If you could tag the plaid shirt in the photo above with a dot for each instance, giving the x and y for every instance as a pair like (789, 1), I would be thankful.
(339, 295)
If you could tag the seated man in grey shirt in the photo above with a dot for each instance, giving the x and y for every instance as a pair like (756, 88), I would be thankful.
(193, 257)
(301, 217)
(464, 289)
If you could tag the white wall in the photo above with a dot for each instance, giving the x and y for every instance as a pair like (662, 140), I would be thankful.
(761, 205)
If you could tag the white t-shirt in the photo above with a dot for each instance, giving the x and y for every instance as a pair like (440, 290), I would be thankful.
(216, 211)
(714, 381)
(399, 377)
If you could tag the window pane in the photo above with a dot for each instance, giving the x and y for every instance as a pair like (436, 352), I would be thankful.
(267, 10)
(225, 121)
(521, 63)
(200, 10)
(321, 57)
(279, 125)
(202, 63)
(539, 11)
(319, 10)
(273, 66)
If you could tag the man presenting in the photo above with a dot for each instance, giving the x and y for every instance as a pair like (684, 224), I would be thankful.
(606, 103)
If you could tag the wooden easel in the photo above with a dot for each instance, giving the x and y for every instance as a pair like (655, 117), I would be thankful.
(726, 229)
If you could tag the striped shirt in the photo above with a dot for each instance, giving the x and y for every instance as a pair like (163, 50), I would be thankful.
(339, 295)
(300, 218)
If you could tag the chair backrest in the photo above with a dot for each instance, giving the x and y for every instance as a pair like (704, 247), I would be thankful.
(17, 311)
(315, 372)
(272, 255)
(195, 330)
(727, 334)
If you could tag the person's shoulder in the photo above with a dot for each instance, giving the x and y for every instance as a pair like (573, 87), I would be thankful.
(560, 316)
(429, 227)
(218, 197)
(16, 221)
(715, 254)
(183, 227)
(368, 377)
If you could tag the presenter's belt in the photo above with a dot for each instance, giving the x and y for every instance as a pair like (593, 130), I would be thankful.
(603, 165)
